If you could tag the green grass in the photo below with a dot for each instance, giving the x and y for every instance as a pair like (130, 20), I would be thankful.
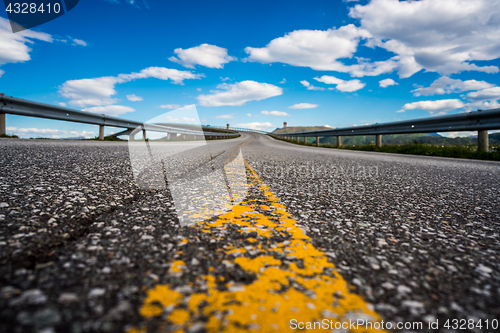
(418, 148)
(433, 150)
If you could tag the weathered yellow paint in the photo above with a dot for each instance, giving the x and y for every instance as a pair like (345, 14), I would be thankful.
(305, 286)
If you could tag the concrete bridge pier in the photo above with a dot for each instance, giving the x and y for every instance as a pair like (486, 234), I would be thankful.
(317, 141)
(378, 140)
(482, 140)
(305, 139)
(144, 134)
(339, 141)
(101, 132)
(2, 124)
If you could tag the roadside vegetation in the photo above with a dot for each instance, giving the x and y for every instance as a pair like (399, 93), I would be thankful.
(417, 147)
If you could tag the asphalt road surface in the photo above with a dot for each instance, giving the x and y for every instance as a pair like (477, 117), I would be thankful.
(320, 235)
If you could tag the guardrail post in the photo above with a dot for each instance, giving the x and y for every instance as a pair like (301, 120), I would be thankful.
(317, 141)
(2, 124)
(339, 141)
(378, 140)
(101, 132)
(482, 140)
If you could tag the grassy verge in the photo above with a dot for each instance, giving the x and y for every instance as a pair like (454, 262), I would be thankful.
(468, 152)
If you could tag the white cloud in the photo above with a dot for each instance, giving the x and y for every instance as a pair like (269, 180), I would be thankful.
(283, 81)
(442, 36)
(62, 104)
(162, 73)
(249, 114)
(446, 85)
(310, 86)
(387, 82)
(276, 113)
(239, 93)
(257, 126)
(98, 91)
(224, 79)
(485, 94)
(14, 46)
(316, 49)
(79, 42)
(465, 134)
(225, 116)
(435, 107)
(38, 132)
(328, 126)
(205, 55)
(169, 106)
(110, 110)
(303, 106)
(342, 85)
(134, 98)
(85, 92)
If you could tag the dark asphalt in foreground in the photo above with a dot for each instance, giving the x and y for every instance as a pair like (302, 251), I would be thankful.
(81, 245)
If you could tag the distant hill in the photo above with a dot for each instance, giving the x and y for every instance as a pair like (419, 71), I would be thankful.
(397, 139)
(299, 129)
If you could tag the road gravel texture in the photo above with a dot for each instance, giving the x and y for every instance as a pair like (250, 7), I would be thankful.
(386, 237)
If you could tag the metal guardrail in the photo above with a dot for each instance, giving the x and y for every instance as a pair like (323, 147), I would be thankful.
(238, 129)
(22, 107)
(471, 121)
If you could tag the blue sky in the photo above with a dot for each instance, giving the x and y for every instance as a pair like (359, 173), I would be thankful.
(258, 63)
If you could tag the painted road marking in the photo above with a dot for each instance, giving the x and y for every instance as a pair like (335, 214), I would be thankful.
(292, 279)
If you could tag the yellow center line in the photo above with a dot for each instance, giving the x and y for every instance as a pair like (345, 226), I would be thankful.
(292, 279)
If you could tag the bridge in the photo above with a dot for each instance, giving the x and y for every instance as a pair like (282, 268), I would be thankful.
(298, 235)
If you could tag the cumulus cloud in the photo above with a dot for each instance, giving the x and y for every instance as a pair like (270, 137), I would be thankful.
(249, 114)
(46, 132)
(435, 108)
(303, 106)
(205, 55)
(442, 36)
(485, 94)
(169, 106)
(239, 93)
(110, 110)
(342, 85)
(310, 86)
(275, 113)
(257, 126)
(387, 82)
(446, 85)
(225, 116)
(317, 49)
(134, 98)
(99, 91)
(14, 47)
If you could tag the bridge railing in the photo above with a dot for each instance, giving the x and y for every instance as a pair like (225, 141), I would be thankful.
(237, 129)
(480, 121)
(22, 107)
